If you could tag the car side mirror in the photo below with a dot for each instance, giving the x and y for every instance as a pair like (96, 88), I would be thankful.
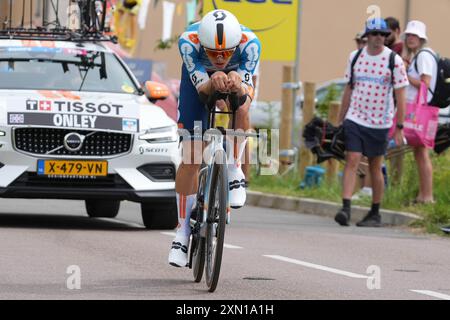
(155, 91)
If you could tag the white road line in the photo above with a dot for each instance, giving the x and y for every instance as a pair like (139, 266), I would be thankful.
(172, 234)
(129, 223)
(317, 266)
(433, 294)
(228, 246)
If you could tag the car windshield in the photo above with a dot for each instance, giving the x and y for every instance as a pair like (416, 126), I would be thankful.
(42, 68)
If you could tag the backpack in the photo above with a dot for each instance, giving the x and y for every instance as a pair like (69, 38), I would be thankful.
(391, 66)
(441, 93)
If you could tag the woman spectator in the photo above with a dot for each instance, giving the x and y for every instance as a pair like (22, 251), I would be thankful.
(421, 66)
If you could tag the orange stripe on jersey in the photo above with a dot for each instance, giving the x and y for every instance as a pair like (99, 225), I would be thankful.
(69, 95)
(194, 38)
(220, 46)
(244, 38)
(49, 94)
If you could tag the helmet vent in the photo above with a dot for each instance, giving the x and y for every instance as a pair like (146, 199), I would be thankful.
(220, 34)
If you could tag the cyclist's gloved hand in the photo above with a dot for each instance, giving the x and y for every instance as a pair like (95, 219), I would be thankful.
(234, 82)
(219, 81)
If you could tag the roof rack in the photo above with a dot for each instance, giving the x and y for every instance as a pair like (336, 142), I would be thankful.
(61, 34)
(91, 15)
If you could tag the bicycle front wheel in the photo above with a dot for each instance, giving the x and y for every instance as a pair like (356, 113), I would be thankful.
(217, 214)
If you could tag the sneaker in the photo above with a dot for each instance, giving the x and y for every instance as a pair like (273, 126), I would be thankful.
(364, 192)
(237, 185)
(343, 218)
(178, 255)
(370, 220)
(446, 229)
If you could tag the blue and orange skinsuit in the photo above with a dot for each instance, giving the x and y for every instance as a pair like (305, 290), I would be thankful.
(197, 69)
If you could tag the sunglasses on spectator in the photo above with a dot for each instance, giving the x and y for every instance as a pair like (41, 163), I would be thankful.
(214, 54)
(377, 33)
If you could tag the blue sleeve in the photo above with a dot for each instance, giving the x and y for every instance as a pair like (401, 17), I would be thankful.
(250, 53)
(189, 47)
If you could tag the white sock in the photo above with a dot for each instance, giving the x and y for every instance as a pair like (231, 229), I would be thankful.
(236, 152)
(184, 207)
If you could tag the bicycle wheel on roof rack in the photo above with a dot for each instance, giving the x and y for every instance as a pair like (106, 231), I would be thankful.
(92, 15)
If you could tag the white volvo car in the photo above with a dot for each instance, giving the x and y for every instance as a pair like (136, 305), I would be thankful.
(76, 124)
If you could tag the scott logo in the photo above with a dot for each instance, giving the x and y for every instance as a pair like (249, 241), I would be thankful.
(220, 15)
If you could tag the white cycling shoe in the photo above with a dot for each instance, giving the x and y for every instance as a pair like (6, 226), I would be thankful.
(236, 185)
(178, 255)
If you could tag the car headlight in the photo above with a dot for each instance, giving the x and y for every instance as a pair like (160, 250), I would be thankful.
(2, 133)
(160, 135)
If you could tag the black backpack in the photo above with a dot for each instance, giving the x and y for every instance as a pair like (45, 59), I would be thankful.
(355, 59)
(441, 93)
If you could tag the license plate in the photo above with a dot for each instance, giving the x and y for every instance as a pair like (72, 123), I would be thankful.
(75, 168)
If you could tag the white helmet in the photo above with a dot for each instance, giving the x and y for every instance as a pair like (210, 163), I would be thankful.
(219, 29)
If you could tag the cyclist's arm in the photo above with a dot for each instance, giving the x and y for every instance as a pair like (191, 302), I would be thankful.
(189, 47)
(250, 49)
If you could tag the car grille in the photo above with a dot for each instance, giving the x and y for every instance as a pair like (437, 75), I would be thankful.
(96, 143)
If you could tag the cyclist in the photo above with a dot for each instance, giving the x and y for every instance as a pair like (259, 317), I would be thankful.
(219, 54)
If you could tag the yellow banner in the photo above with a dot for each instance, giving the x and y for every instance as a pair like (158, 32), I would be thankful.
(273, 21)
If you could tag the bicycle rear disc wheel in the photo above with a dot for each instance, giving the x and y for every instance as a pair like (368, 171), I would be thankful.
(215, 233)
(198, 257)
(197, 252)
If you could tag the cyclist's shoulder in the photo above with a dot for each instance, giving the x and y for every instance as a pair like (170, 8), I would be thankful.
(248, 32)
(190, 36)
(248, 36)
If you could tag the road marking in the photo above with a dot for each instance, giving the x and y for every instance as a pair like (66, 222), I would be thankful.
(433, 294)
(172, 234)
(128, 223)
(228, 246)
(317, 266)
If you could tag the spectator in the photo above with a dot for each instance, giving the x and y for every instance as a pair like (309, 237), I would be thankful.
(368, 109)
(365, 185)
(393, 41)
(360, 40)
(422, 67)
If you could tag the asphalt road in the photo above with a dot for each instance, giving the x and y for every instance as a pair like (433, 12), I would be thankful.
(52, 250)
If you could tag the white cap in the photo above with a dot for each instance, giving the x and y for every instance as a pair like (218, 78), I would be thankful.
(418, 28)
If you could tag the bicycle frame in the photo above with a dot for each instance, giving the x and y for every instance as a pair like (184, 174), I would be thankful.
(213, 206)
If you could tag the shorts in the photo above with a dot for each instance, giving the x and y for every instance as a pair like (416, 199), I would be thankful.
(190, 108)
(368, 141)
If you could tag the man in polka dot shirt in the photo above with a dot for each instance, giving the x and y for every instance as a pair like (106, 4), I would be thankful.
(367, 114)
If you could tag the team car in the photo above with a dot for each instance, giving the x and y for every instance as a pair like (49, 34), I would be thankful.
(76, 124)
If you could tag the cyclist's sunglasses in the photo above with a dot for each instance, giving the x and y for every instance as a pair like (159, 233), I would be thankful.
(377, 33)
(214, 54)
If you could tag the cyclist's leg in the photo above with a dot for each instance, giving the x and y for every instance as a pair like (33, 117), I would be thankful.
(190, 110)
(236, 177)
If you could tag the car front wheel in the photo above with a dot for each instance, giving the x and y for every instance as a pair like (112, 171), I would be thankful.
(97, 208)
(161, 215)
